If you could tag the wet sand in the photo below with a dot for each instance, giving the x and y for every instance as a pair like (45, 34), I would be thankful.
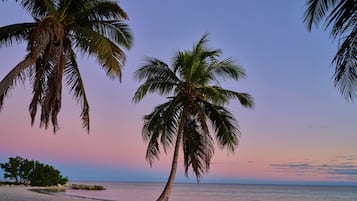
(16, 193)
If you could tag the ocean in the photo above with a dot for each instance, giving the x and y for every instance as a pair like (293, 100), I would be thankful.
(118, 191)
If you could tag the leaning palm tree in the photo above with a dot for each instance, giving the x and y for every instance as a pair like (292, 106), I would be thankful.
(341, 16)
(195, 104)
(60, 29)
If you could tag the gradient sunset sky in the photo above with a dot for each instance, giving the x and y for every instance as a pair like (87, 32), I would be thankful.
(301, 129)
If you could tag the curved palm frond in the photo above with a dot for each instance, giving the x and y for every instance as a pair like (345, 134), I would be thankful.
(159, 78)
(38, 8)
(171, 119)
(117, 31)
(224, 69)
(74, 80)
(101, 11)
(18, 73)
(316, 11)
(342, 16)
(108, 54)
(153, 68)
(245, 99)
(212, 94)
(163, 87)
(160, 125)
(12, 82)
(15, 32)
(224, 124)
(346, 66)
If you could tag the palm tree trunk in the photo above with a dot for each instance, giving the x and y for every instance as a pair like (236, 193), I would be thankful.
(170, 181)
(11, 76)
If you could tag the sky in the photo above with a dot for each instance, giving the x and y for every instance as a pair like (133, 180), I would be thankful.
(301, 130)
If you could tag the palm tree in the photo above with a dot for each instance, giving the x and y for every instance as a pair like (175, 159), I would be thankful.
(195, 102)
(60, 29)
(341, 16)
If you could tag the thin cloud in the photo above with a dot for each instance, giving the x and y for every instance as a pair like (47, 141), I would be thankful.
(340, 167)
(344, 171)
(290, 165)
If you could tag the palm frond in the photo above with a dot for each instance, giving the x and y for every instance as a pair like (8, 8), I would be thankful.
(153, 68)
(171, 118)
(38, 8)
(74, 80)
(345, 76)
(245, 99)
(213, 94)
(197, 149)
(116, 31)
(224, 125)
(40, 74)
(159, 125)
(194, 59)
(52, 99)
(162, 87)
(15, 32)
(201, 46)
(109, 55)
(20, 78)
(17, 74)
(158, 78)
(316, 11)
(224, 69)
(343, 16)
(103, 10)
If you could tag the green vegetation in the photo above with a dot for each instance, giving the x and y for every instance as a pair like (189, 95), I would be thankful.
(5, 183)
(24, 171)
(195, 101)
(341, 16)
(60, 29)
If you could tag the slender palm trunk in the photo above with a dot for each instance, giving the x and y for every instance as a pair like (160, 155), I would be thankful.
(170, 181)
(11, 76)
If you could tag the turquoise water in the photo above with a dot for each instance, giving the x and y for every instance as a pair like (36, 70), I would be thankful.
(219, 192)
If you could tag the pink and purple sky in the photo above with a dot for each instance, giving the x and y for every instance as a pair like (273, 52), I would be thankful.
(302, 129)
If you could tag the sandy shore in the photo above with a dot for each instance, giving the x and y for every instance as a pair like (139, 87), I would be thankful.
(8, 193)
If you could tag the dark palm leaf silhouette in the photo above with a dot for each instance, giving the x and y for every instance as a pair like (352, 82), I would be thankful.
(341, 17)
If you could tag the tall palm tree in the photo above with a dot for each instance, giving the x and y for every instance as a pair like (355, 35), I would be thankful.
(341, 16)
(195, 103)
(60, 29)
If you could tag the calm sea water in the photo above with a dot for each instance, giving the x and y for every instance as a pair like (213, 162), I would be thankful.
(219, 192)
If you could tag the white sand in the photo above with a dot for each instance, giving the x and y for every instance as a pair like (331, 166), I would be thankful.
(8, 193)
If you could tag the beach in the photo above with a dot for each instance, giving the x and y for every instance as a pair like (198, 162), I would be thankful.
(17, 193)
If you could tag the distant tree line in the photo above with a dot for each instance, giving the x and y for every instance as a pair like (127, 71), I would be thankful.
(29, 172)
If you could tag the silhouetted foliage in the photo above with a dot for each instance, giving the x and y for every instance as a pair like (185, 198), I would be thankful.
(341, 17)
(24, 171)
(12, 169)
